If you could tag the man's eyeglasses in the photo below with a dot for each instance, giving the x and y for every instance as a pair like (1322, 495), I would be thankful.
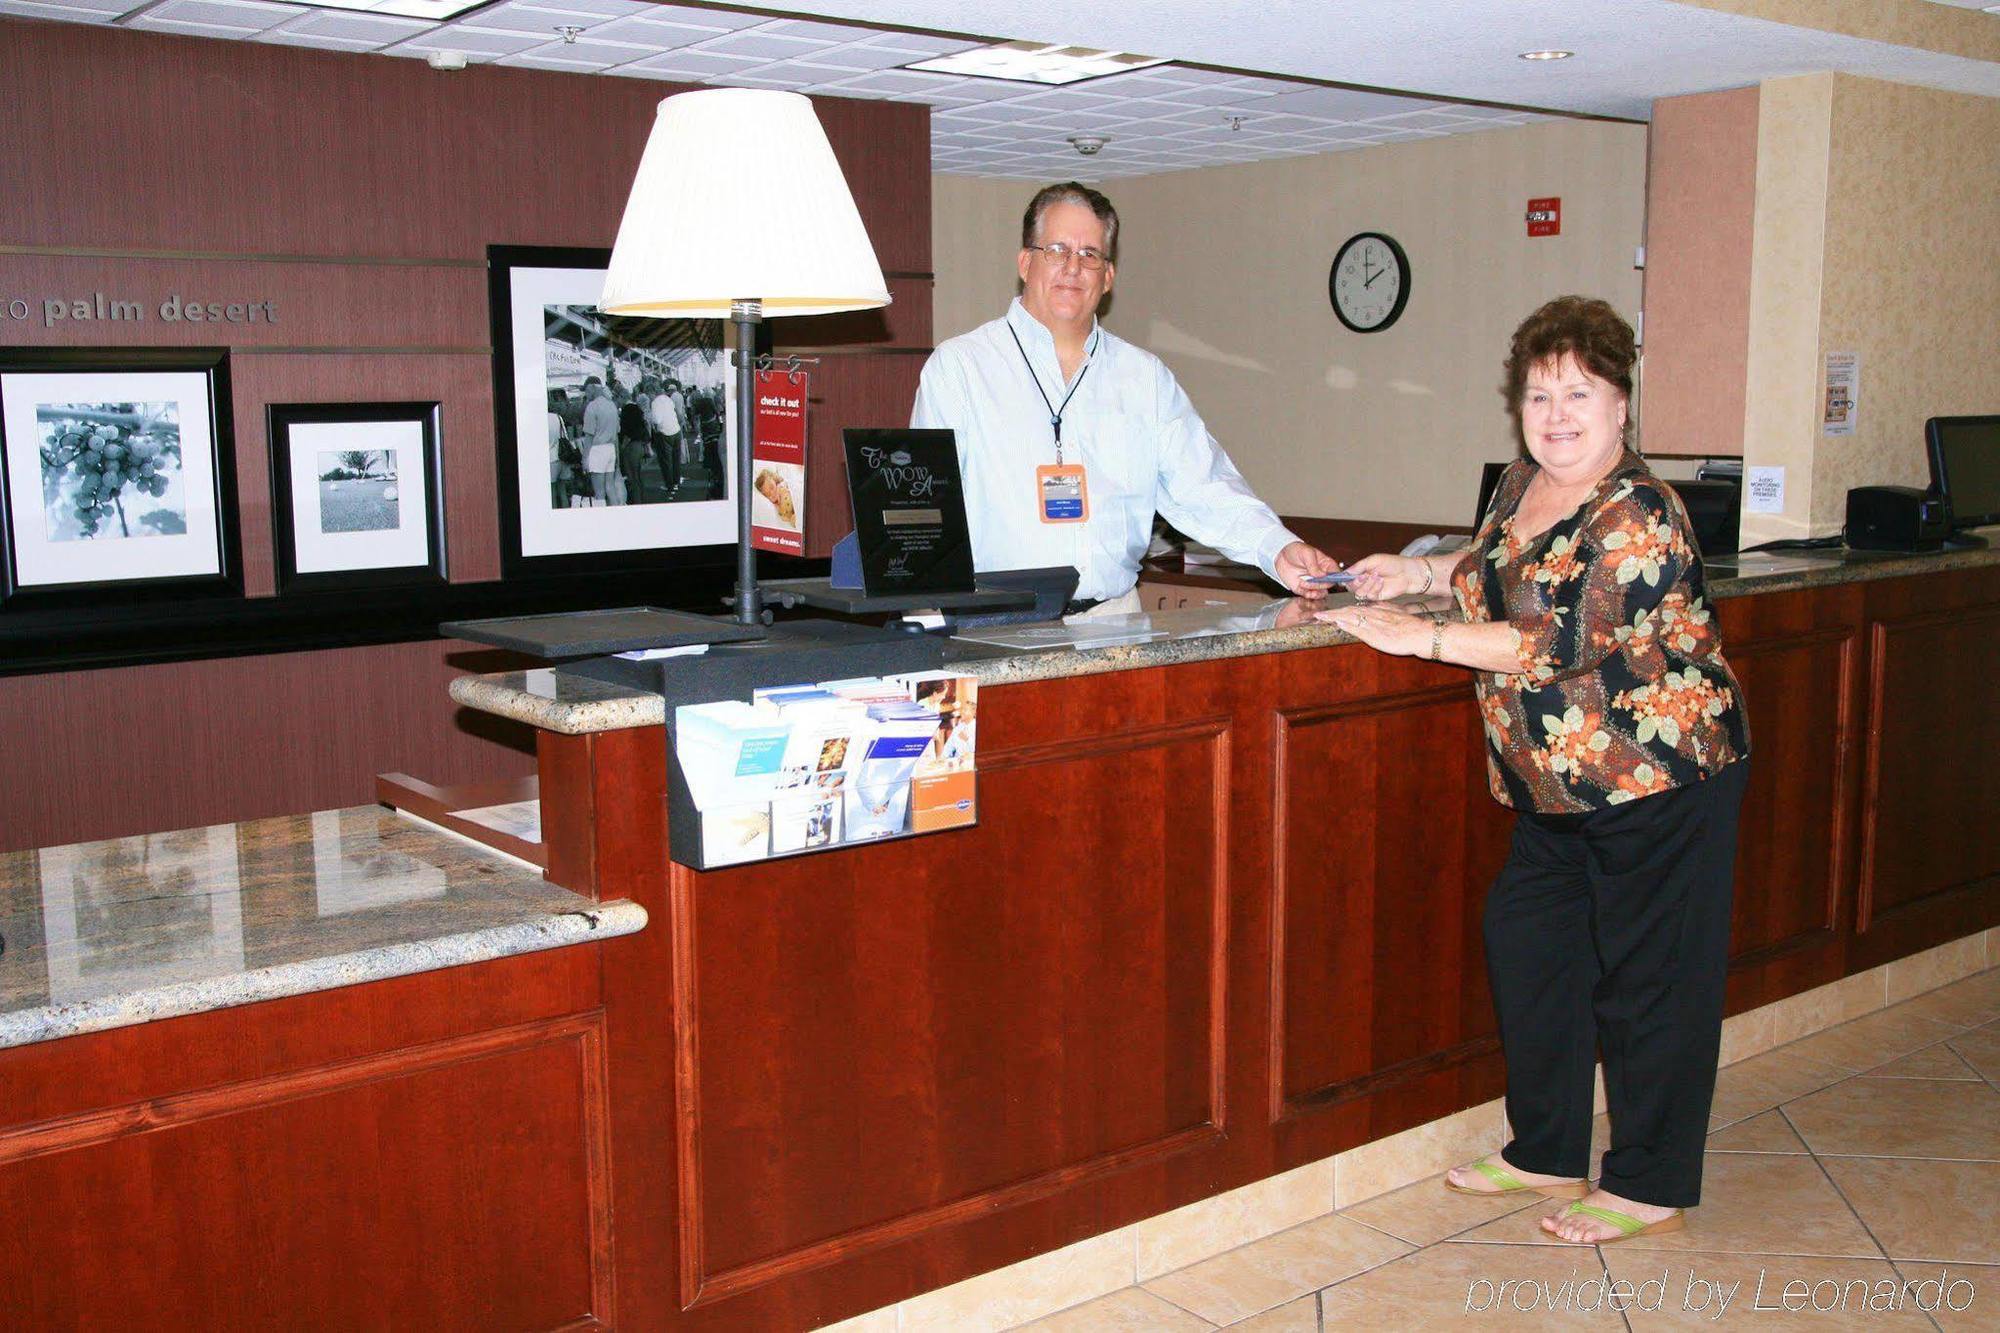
(1060, 255)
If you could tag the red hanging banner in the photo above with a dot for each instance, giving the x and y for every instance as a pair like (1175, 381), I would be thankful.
(778, 463)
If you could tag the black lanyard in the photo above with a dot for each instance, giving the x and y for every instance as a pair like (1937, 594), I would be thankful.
(1055, 413)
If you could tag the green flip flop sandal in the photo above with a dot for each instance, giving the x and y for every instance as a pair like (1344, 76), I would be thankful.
(1506, 1182)
(1626, 1225)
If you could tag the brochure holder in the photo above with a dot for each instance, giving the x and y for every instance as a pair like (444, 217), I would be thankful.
(790, 654)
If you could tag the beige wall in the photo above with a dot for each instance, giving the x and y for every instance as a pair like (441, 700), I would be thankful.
(975, 231)
(1222, 272)
(1781, 378)
(1912, 274)
(1877, 234)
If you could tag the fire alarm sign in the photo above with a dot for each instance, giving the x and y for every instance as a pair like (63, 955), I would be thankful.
(1545, 216)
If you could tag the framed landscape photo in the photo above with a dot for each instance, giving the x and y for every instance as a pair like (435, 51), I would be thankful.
(117, 478)
(357, 498)
(613, 433)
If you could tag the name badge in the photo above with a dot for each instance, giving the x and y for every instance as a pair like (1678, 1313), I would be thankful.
(1064, 494)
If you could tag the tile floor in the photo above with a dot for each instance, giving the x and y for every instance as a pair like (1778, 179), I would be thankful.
(1860, 1165)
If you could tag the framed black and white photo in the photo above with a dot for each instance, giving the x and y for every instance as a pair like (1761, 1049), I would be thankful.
(357, 499)
(116, 475)
(613, 432)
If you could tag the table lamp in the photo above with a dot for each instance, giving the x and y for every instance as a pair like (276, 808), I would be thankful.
(738, 211)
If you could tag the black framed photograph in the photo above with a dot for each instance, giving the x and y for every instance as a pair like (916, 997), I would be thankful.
(357, 497)
(613, 432)
(117, 475)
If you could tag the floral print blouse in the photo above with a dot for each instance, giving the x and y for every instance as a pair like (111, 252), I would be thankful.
(1623, 691)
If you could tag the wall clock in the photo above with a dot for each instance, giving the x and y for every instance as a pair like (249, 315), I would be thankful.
(1369, 283)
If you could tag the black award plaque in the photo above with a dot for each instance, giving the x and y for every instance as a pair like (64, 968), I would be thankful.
(909, 511)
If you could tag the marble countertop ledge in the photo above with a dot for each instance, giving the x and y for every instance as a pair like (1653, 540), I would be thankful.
(128, 930)
(559, 701)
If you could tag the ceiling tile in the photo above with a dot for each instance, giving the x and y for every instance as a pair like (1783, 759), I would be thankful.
(893, 81)
(761, 44)
(1342, 103)
(1190, 77)
(279, 37)
(639, 29)
(824, 32)
(601, 9)
(693, 64)
(942, 97)
(999, 113)
(1076, 120)
(782, 74)
(519, 17)
(379, 29)
(1420, 120)
(722, 20)
(860, 56)
(594, 54)
(224, 13)
(1219, 95)
(1064, 98)
(148, 23)
(1397, 136)
(539, 59)
(80, 12)
(777, 81)
(470, 41)
(1166, 117)
(926, 45)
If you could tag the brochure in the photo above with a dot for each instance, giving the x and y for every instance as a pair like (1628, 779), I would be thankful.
(735, 833)
(803, 820)
(731, 752)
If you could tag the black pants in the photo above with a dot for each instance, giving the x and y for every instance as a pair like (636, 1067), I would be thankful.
(1611, 929)
(667, 452)
(711, 459)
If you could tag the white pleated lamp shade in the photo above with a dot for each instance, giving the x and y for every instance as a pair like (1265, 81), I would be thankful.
(738, 197)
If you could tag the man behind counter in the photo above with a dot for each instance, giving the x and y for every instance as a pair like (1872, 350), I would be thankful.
(1071, 438)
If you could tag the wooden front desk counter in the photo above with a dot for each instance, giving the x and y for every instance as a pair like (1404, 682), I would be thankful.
(1220, 918)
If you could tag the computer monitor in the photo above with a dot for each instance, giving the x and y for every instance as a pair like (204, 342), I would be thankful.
(1965, 467)
(1489, 481)
(1713, 506)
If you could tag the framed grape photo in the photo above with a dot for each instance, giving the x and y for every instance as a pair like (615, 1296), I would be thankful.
(117, 479)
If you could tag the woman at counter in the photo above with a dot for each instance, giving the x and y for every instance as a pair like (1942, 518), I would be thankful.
(1616, 729)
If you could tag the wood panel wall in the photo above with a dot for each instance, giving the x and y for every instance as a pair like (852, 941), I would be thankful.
(358, 193)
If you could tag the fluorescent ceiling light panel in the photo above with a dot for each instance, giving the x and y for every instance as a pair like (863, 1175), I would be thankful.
(435, 10)
(1031, 62)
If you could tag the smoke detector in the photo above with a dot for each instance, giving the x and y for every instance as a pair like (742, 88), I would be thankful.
(569, 32)
(1087, 144)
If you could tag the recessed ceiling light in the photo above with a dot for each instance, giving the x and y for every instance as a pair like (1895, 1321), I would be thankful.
(1032, 62)
(1547, 55)
(435, 10)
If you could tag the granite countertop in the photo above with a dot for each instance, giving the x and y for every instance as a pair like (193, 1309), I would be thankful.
(106, 934)
(560, 701)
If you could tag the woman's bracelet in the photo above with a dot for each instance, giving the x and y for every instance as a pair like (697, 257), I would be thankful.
(1430, 576)
(1437, 640)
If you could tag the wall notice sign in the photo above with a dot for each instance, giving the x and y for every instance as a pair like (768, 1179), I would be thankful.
(778, 463)
(1765, 490)
(1545, 216)
(1843, 392)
